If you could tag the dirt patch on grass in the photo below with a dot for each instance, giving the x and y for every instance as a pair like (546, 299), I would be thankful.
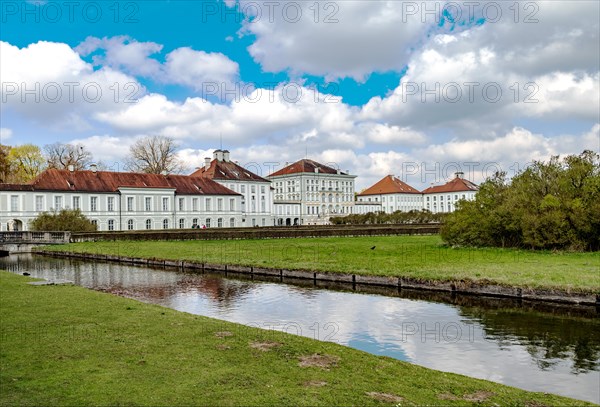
(385, 397)
(316, 360)
(264, 346)
(477, 397)
(223, 347)
(223, 334)
(315, 383)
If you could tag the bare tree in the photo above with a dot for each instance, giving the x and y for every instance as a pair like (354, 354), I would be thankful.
(61, 155)
(155, 155)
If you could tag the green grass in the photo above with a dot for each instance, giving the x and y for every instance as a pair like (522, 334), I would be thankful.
(66, 345)
(421, 257)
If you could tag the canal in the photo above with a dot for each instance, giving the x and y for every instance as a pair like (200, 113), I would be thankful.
(534, 346)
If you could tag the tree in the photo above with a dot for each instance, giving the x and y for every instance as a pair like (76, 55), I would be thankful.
(61, 156)
(550, 205)
(155, 155)
(65, 220)
(5, 164)
(27, 162)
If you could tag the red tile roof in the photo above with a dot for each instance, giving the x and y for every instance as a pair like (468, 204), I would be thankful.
(456, 185)
(303, 166)
(390, 185)
(227, 170)
(105, 181)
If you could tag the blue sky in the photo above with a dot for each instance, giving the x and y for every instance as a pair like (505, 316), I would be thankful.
(369, 86)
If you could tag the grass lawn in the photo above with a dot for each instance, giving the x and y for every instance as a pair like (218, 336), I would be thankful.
(66, 345)
(421, 257)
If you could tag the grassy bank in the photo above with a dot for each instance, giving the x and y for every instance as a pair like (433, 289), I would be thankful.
(65, 345)
(403, 256)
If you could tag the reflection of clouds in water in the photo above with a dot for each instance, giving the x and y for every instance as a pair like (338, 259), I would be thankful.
(510, 348)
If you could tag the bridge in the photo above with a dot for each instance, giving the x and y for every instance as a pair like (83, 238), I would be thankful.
(23, 242)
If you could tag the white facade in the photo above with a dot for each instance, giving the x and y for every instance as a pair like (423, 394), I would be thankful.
(445, 201)
(127, 208)
(363, 207)
(390, 203)
(310, 198)
(257, 196)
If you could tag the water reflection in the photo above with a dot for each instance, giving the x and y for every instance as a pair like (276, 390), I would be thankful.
(530, 345)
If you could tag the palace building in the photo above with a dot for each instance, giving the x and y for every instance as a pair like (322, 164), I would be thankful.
(308, 193)
(257, 197)
(220, 194)
(122, 200)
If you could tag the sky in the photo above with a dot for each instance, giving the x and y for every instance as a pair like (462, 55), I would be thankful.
(417, 89)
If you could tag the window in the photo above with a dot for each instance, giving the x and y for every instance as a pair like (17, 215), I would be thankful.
(111, 224)
(253, 222)
(93, 203)
(166, 224)
(243, 189)
(208, 204)
(232, 222)
(76, 202)
(94, 222)
(14, 203)
(220, 204)
(130, 224)
(165, 206)
(39, 203)
(57, 203)
(253, 189)
(232, 204)
(262, 189)
(148, 204)
(194, 204)
(111, 204)
(195, 222)
(129, 204)
(264, 222)
(207, 222)
(220, 222)
(181, 203)
(181, 223)
(148, 224)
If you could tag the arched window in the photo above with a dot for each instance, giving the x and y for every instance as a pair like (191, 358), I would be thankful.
(166, 224)
(148, 224)
(130, 224)
(232, 222)
(111, 224)
(195, 222)
(208, 221)
(220, 222)
(181, 223)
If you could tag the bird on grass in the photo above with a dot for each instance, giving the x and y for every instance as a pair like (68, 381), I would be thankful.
(373, 248)
(26, 274)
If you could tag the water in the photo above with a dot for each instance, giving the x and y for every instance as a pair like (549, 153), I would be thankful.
(537, 347)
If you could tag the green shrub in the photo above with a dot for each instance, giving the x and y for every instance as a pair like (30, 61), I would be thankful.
(64, 220)
(553, 205)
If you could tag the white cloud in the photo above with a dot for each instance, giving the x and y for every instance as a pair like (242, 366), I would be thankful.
(182, 66)
(333, 39)
(5, 134)
(48, 83)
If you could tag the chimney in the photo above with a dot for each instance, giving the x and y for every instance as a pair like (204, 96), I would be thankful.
(71, 167)
(316, 170)
(339, 172)
(94, 168)
(206, 163)
(459, 174)
(226, 155)
(218, 155)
